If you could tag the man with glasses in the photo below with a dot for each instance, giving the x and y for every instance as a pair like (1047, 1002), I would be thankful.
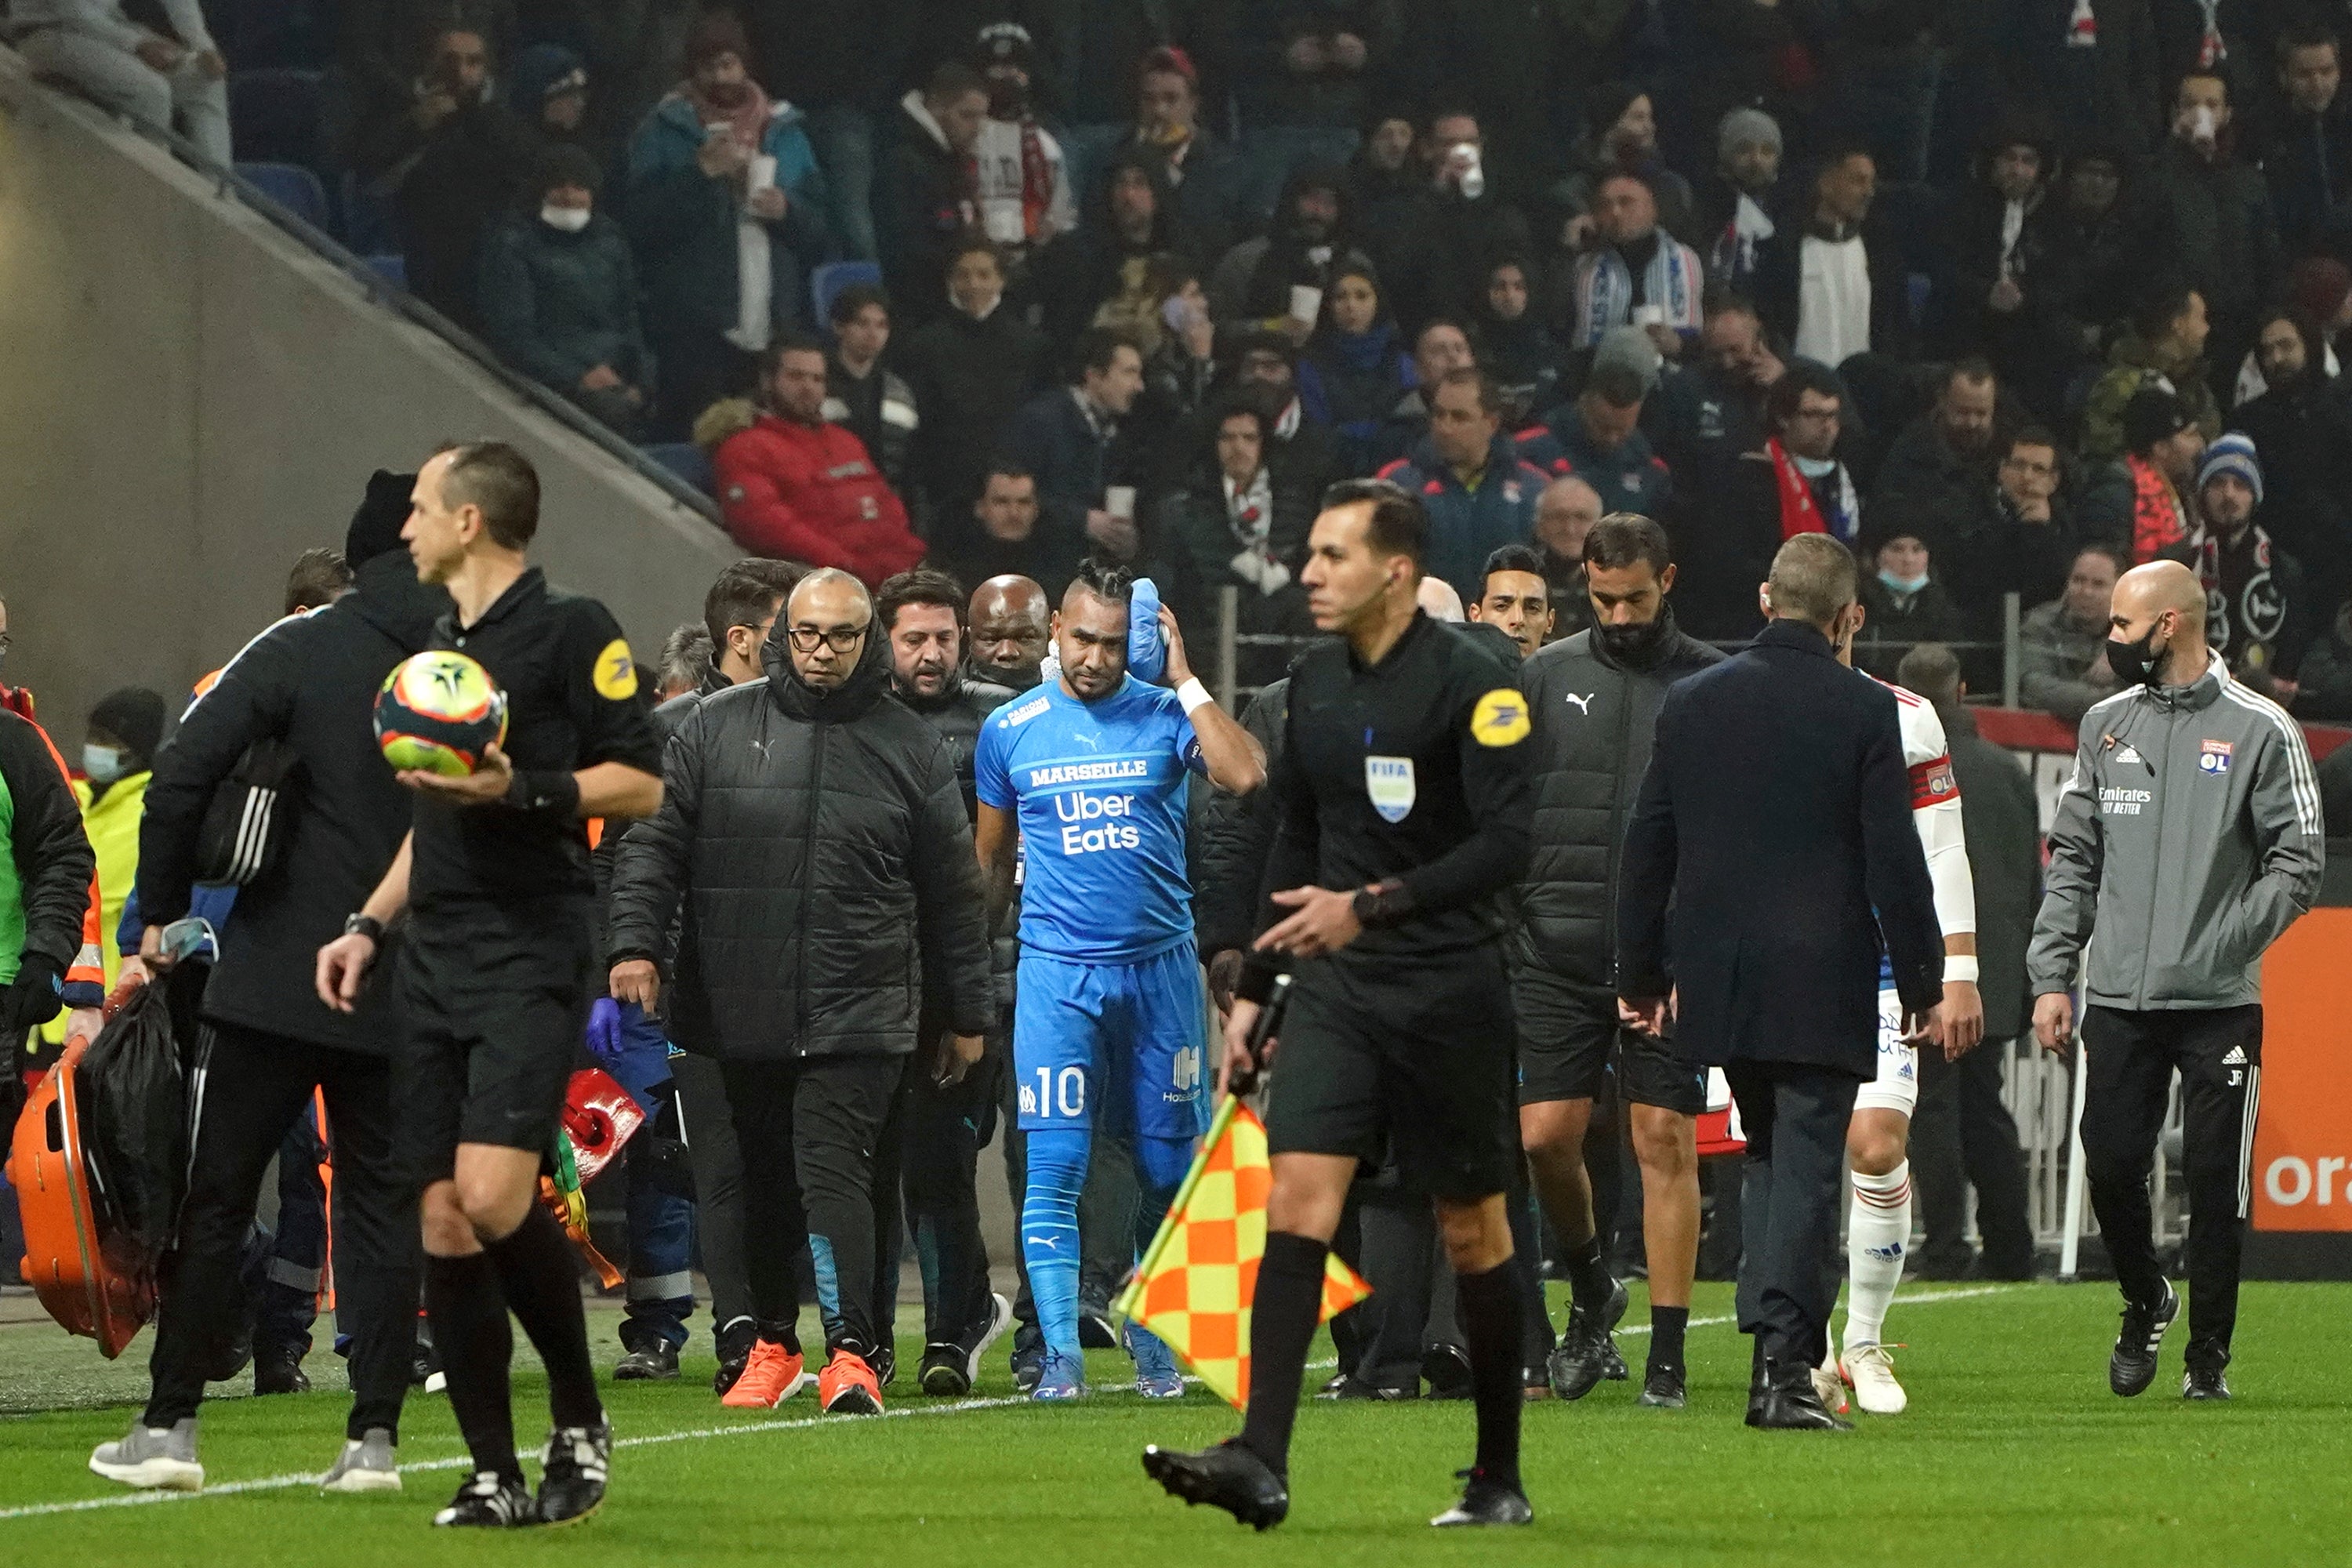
(814, 838)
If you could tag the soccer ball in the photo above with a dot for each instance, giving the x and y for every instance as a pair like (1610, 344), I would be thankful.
(438, 713)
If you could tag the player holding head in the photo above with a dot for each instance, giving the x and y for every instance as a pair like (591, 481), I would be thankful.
(1089, 773)
(495, 968)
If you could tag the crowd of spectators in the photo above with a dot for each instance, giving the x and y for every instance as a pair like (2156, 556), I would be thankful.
(2001, 296)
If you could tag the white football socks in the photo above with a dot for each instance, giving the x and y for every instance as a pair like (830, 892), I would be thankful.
(1876, 1236)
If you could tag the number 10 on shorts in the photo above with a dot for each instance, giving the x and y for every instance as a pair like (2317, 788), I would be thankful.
(1055, 1094)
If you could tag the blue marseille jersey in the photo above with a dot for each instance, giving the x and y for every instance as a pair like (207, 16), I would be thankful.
(1098, 790)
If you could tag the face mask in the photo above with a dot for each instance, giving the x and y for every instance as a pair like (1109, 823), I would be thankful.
(1903, 586)
(1815, 467)
(1630, 642)
(102, 764)
(2134, 662)
(564, 220)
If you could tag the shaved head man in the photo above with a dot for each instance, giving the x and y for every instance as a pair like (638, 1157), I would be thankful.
(2156, 626)
(1012, 627)
(830, 614)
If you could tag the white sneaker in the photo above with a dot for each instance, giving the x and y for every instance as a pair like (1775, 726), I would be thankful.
(1828, 1387)
(367, 1463)
(1872, 1371)
(153, 1458)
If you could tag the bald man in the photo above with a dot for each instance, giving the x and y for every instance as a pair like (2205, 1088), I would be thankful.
(2190, 839)
(1565, 514)
(1012, 627)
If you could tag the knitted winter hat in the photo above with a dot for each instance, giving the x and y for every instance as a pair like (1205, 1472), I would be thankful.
(2232, 453)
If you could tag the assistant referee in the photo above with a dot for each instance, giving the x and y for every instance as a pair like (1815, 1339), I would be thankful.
(1404, 805)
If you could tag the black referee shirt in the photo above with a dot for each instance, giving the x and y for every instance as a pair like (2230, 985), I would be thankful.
(571, 703)
(1415, 768)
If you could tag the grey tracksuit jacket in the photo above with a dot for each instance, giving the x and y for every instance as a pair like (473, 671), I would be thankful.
(2188, 838)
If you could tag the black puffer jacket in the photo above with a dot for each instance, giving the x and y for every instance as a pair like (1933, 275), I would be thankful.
(1594, 719)
(819, 847)
(957, 714)
(1236, 835)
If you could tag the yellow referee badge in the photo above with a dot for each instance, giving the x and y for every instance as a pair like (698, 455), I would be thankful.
(1500, 719)
(616, 676)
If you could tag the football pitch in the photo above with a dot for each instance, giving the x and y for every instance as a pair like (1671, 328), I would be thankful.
(2013, 1451)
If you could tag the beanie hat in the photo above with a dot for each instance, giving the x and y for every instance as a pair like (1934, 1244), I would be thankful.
(1633, 348)
(541, 72)
(376, 525)
(2152, 415)
(2318, 284)
(2232, 453)
(133, 716)
(716, 33)
(1746, 128)
(1006, 43)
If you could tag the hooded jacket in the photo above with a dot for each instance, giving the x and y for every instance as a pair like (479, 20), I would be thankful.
(817, 846)
(1251, 285)
(311, 681)
(2190, 837)
(809, 493)
(1086, 269)
(929, 196)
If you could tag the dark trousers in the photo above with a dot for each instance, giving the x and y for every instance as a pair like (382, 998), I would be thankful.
(253, 1085)
(1962, 1136)
(934, 1143)
(1795, 1118)
(287, 1302)
(810, 1130)
(1411, 1306)
(2131, 1057)
(709, 1126)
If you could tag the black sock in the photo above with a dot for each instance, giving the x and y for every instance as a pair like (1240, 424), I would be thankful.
(475, 1343)
(541, 1276)
(1588, 1278)
(1489, 1306)
(1282, 1324)
(1667, 1325)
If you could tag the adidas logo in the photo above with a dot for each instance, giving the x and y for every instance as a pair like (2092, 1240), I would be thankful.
(1887, 1254)
(2236, 1059)
(2127, 755)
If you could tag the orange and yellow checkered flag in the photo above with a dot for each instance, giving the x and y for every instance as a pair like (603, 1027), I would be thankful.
(1195, 1283)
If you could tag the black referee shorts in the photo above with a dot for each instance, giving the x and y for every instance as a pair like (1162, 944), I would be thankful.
(1570, 1036)
(497, 1003)
(1408, 1060)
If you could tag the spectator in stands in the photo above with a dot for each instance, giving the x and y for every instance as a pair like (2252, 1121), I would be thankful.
(1131, 220)
(793, 486)
(1256, 285)
(1994, 291)
(1302, 449)
(453, 161)
(1354, 369)
(2302, 425)
(2106, 237)
(2308, 165)
(2225, 240)
(1515, 599)
(1638, 275)
(1709, 412)
(547, 89)
(1180, 361)
(1621, 136)
(1384, 185)
(559, 297)
(1442, 345)
(1832, 282)
(2259, 613)
(2323, 680)
(1598, 438)
(1565, 514)
(970, 367)
(932, 185)
(1938, 474)
(1069, 437)
(1239, 522)
(2024, 541)
(1004, 540)
(2063, 664)
(728, 210)
(870, 400)
(1206, 199)
(1904, 602)
(2165, 349)
(1514, 345)
(1734, 206)
(1467, 472)
(1023, 191)
(1302, 80)
(2093, 61)
(1740, 513)
(2328, 283)
(132, 68)
(1458, 223)
(2140, 502)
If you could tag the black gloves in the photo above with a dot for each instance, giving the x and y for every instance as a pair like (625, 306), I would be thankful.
(33, 998)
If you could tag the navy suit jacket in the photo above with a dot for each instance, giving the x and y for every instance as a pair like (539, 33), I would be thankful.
(1771, 844)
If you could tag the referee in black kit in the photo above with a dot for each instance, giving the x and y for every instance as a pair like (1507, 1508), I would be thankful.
(1403, 802)
(497, 969)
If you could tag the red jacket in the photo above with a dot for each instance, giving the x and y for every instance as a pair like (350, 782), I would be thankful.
(810, 493)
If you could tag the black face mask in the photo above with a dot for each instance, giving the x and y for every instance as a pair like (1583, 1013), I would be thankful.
(2134, 662)
(1631, 644)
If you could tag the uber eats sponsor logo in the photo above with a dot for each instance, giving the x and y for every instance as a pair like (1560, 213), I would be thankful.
(2118, 802)
(1094, 822)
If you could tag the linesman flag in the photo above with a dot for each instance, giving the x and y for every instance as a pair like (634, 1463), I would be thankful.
(1194, 1286)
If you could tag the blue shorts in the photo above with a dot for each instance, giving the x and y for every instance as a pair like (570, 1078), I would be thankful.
(1126, 1041)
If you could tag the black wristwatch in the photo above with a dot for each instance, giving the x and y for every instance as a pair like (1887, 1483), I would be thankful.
(364, 925)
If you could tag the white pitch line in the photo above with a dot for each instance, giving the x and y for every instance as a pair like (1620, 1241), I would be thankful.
(700, 1434)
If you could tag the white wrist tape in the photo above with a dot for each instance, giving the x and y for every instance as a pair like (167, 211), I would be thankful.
(1958, 966)
(1193, 695)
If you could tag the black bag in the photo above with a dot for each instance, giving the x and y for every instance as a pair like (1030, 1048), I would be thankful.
(250, 819)
(131, 1087)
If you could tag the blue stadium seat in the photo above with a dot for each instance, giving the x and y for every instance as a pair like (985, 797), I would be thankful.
(273, 116)
(827, 283)
(292, 186)
(688, 461)
(392, 267)
(369, 227)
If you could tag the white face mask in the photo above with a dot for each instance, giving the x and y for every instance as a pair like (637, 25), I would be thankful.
(564, 220)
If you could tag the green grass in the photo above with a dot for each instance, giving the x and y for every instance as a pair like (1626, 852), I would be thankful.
(2013, 1451)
